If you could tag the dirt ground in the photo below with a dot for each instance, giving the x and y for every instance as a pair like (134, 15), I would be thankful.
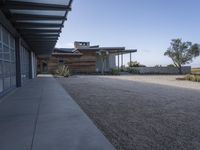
(140, 114)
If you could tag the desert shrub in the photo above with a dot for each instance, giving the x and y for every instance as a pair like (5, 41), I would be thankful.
(133, 70)
(135, 64)
(170, 65)
(63, 70)
(192, 77)
(114, 71)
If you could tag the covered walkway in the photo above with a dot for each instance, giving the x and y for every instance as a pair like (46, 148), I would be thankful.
(42, 116)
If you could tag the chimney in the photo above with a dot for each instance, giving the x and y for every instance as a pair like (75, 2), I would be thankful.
(78, 45)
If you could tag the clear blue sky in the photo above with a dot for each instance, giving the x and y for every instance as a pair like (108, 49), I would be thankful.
(147, 25)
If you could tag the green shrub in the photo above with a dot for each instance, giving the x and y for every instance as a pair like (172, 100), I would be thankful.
(133, 70)
(192, 77)
(63, 71)
(114, 71)
(135, 64)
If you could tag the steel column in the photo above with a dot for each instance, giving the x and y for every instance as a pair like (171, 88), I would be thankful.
(18, 66)
(122, 61)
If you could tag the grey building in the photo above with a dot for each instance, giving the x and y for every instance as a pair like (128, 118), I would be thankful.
(29, 29)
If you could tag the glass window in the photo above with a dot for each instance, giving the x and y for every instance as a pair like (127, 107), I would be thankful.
(6, 69)
(0, 33)
(1, 84)
(24, 63)
(7, 60)
(0, 47)
(12, 57)
(61, 62)
(13, 80)
(1, 56)
(1, 67)
(12, 42)
(5, 48)
(13, 68)
(6, 56)
(7, 83)
(5, 37)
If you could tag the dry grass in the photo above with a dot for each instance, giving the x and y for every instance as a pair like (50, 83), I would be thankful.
(195, 70)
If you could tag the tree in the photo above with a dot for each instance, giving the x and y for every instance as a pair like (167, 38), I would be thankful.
(182, 53)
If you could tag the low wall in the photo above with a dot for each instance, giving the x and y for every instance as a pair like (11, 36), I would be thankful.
(162, 70)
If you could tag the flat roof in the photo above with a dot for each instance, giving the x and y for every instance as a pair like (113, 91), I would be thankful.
(39, 22)
(114, 50)
(101, 48)
(67, 54)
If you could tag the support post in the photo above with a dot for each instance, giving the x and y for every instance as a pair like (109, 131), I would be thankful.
(118, 60)
(18, 66)
(130, 58)
(122, 61)
(30, 65)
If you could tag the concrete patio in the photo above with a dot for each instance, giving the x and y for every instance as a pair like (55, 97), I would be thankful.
(42, 116)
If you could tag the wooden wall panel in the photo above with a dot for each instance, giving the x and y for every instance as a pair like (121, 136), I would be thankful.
(85, 63)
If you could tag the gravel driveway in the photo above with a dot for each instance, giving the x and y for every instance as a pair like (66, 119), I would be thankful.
(140, 114)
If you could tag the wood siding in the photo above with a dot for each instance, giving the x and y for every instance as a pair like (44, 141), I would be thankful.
(85, 63)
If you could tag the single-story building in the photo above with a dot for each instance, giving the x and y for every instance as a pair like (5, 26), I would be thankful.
(28, 29)
(84, 58)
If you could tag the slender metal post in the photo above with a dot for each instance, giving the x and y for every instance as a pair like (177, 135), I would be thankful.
(30, 65)
(118, 60)
(122, 60)
(18, 66)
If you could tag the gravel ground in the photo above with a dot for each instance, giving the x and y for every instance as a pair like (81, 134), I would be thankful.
(170, 80)
(135, 113)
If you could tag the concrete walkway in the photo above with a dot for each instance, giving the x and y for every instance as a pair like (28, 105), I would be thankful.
(42, 116)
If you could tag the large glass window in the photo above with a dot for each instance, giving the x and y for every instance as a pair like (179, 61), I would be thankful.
(1, 74)
(7, 60)
(1, 61)
(24, 54)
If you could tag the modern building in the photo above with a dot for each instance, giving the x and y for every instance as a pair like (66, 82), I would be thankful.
(29, 29)
(84, 58)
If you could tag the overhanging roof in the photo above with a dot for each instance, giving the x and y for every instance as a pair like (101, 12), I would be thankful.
(102, 48)
(114, 50)
(39, 22)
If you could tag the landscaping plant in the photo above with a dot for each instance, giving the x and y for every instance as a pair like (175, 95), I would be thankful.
(135, 64)
(182, 53)
(193, 77)
(115, 71)
(63, 70)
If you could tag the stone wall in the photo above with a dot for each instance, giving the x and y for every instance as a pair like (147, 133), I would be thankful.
(162, 70)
